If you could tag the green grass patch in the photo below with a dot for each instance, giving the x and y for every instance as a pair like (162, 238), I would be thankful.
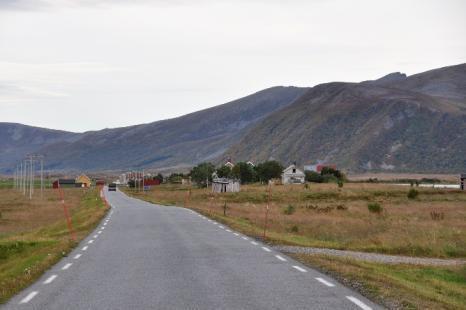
(398, 286)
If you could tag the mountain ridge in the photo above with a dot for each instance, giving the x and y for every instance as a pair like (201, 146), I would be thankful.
(399, 123)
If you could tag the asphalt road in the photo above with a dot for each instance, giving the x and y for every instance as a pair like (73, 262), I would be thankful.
(145, 256)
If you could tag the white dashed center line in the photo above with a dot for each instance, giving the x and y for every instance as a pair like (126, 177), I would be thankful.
(281, 258)
(67, 266)
(325, 282)
(266, 249)
(359, 303)
(254, 242)
(299, 268)
(84, 248)
(50, 279)
(244, 238)
(95, 236)
(90, 241)
(236, 234)
(99, 232)
(228, 230)
(77, 256)
(28, 298)
(222, 227)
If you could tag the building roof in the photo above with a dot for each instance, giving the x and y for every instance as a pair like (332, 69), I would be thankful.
(289, 171)
(66, 181)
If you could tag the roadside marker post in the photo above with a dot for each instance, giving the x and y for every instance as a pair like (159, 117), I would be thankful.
(267, 211)
(67, 214)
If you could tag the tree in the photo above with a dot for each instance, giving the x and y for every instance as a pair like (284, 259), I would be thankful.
(244, 172)
(159, 177)
(269, 170)
(202, 172)
(175, 178)
(224, 172)
(312, 176)
(328, 171)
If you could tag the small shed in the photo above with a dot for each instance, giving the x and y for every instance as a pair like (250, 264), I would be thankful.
(292, 175)
(225, 185)
(462, 181)
(64, 183)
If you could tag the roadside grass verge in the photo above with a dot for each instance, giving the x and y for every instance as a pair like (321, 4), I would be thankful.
(34, 235)
(397, 286)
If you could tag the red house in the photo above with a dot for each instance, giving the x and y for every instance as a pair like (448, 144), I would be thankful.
(151, 182)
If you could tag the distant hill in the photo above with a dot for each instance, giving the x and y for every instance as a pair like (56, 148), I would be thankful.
(17, 140)
(181, 141)
(397, 123)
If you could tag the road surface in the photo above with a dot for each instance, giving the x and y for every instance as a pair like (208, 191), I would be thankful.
(144, 256)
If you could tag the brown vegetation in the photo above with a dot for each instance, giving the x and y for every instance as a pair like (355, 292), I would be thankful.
(34, 234)
(327, 216)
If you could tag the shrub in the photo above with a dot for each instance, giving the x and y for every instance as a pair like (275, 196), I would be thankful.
(340, 183)
(312, 176)
(289, 210)
(413, 193)
(342, 207)
(437, 216)
(374, 207)
(294, 229)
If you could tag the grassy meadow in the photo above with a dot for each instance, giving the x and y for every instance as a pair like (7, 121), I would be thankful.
(34, 234)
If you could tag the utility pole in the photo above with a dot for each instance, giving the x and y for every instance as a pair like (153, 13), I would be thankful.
(31, 177)
(25, 170)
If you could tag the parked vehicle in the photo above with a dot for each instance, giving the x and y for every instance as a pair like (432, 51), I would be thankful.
(112, 187)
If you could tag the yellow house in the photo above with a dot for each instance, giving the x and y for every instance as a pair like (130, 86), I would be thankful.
(84, 180)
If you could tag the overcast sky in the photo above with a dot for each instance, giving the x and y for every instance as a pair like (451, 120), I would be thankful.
(86, 65)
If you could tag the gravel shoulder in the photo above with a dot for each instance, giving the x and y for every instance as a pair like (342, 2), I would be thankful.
(372, 257)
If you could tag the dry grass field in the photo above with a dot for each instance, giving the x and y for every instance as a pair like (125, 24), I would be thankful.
(431, 225)
(323, 215)
(34, 234)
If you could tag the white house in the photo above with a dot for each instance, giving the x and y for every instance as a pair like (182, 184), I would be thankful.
(292, 175)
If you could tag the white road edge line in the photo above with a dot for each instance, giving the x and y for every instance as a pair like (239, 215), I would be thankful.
(228, 230)
(222, 227)
(84, 248)
(359, 303)
(50, 279)
(66, 266)
(281, 258)
(245, 238)
(266, 249)
(299, 268)
(77, 256)
(28, 298)
(236, 234)
(325, 282)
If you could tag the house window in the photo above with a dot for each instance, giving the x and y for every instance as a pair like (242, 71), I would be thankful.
(294, 170)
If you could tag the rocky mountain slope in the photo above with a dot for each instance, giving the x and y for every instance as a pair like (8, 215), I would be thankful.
(396, 123)
(182, 141)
